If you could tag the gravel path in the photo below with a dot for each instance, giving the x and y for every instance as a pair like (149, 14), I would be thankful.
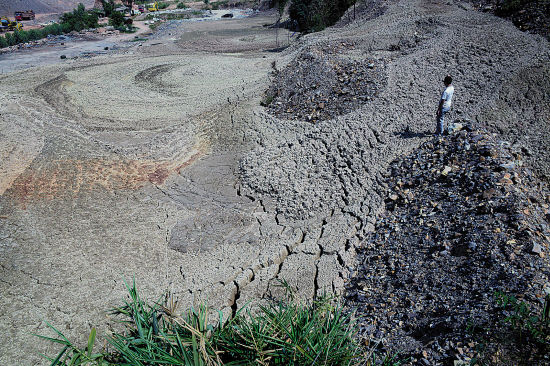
(158, 161)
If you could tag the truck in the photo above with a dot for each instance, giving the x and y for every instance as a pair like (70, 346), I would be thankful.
(24, 15)
(153, 7)
(9, 25)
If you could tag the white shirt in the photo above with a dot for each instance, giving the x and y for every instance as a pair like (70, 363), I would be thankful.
(447, 96)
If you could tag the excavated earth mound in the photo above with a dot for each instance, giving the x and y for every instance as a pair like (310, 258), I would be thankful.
(464, 219)
(322, 83)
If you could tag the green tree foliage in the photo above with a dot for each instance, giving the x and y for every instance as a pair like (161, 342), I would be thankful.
(108, 7)
(3, 42)
(34, 34)
(116, 19)
(316, 15)
(78, 20)
(21, 37)
(10, 39)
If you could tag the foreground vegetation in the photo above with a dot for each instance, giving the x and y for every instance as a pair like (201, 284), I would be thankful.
(283, 333)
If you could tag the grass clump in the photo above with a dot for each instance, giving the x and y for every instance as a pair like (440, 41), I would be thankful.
(282, 333)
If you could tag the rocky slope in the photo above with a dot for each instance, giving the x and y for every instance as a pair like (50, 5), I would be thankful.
(464, 219)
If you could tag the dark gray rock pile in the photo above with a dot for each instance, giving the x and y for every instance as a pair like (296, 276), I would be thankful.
(322, 83)
(464, 219)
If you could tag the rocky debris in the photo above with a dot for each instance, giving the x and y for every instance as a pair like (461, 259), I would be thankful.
(322, 83)
(530, 16)
(50, 40)
(464, 219)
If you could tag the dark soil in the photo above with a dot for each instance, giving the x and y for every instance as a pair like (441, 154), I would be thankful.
(528, 15)
(321, 83)
(464, 219)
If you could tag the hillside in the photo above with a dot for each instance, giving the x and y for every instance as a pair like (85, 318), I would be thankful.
(40, 6)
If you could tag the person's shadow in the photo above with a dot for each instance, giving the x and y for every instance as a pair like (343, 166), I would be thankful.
(408, 134)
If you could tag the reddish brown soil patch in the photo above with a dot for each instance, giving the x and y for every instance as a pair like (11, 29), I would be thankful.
(69, 178)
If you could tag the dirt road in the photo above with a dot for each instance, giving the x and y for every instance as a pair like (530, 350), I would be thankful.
(158, 162)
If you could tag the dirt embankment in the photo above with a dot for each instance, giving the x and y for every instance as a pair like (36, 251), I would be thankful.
(7, 8)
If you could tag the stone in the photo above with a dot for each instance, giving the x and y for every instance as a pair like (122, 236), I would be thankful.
(537, 248)
(446, 171)
(454, 127)
(508, 166)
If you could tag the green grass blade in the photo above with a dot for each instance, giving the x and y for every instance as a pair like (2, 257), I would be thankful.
(91, 341)
(56, 361)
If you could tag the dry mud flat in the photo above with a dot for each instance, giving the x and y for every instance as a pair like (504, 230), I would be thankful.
(159, 162)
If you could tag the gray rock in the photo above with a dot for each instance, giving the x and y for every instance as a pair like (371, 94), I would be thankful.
(508, 166)
(537, 248)
(454, 127)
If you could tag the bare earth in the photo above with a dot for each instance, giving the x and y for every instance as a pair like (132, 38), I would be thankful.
(158, 162)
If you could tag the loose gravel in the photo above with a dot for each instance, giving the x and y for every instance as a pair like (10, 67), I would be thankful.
(464, 219)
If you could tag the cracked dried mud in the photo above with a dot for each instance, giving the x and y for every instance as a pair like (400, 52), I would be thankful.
(158, 162)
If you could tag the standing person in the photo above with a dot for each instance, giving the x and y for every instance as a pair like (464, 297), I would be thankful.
(444, 104)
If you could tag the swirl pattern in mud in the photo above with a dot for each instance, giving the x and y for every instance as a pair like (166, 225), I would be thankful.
(146, 94)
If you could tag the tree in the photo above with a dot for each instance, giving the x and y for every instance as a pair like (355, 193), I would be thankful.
(10, 39)
(78, 20)
(116, 19)
(315, 15)
(108, 7)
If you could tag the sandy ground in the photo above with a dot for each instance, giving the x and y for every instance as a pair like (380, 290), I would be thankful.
(158, 162)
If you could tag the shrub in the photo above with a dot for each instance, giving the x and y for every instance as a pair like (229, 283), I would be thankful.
(163, 5)
(219, 4)
(3, 42)
(116, 19)
(78, 20)
(182, 6)
(10, 39)
(315, 15)
(34, 34)
(108, 7)
(21, 37)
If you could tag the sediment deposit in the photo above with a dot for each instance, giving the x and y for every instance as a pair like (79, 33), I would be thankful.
(159, 162)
